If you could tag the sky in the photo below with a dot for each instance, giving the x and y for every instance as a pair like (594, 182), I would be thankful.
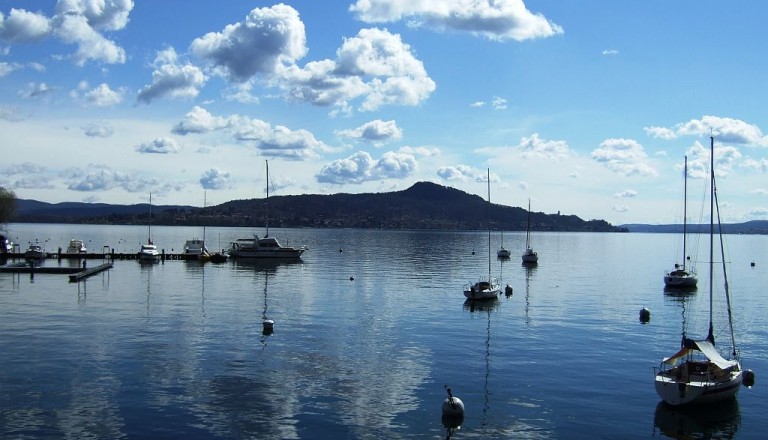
(584, 108)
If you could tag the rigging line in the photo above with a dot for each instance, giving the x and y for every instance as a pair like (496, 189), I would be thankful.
(725, 274)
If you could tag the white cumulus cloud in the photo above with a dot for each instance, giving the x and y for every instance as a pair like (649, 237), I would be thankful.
(492, 19)
(624, 156)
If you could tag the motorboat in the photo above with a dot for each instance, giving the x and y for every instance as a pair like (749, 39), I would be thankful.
(34, 253)
(195, 246)
(76, 247)
(264, 247)
(148, 253)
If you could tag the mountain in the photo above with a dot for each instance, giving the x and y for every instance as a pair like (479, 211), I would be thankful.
(750, 227)
(424, 205)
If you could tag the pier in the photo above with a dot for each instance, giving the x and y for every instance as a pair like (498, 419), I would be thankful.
(80, 272)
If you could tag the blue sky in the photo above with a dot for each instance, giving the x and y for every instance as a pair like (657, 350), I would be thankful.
(586, 108)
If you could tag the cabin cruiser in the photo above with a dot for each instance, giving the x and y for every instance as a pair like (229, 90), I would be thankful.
(266, 247)
(76, 247)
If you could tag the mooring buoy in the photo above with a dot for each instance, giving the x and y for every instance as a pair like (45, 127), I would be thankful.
(645, 315)
(452, 405)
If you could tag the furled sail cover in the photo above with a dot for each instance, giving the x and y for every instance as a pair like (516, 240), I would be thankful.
(711, 353)
(672, 360)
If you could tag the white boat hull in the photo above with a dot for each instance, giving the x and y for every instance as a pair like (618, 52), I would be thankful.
(695, 392)
(482, 290)
(148, 254)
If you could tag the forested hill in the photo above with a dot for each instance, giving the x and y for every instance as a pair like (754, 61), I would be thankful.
(425, 205)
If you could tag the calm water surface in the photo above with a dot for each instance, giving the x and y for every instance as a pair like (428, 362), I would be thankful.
(369, 328)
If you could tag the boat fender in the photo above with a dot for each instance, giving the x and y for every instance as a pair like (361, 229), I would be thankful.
(749, 378)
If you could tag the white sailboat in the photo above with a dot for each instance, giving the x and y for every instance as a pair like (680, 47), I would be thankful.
(682, 277)
(529, 256)
(265, 247)
(699, 372)
(148, 252)
(486, 287)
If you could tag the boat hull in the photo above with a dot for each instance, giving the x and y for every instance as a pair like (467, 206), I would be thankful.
(148, 254)
(529, 256)
(680, 280)
(482, 290)
(695, 392)
(266, 253)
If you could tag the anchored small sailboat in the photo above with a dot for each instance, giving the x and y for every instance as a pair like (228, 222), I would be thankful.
(148, 252)
(529, 256)
(699, 372)
(682, 277)
(485, 287)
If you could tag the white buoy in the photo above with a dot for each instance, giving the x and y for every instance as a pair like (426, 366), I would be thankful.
(452, 405)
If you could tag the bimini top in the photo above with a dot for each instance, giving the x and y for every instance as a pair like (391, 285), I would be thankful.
(706, 348)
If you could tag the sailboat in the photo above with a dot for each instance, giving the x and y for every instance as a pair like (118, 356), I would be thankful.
(266, 247)
(529, 256)
(485, 287)
(698, 372)
(195, 247)
(148, 252)
(503, 252)
(681, 277)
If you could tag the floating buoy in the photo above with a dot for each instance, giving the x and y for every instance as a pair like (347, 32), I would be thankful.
(473, 252)
(452, 406)
(752, 264)
(341, 250)
(351, 278)
(645, 315)
(749, 379)
(508, 290)
(269, 327)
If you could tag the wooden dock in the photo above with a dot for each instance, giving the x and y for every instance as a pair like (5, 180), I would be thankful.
(101, 256)
(88, 272)
(75, 273)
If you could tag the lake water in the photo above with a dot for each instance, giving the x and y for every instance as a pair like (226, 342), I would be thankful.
(369, 328)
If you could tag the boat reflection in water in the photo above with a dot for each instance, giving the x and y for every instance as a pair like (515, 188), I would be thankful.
(721, 421)
(484, 308)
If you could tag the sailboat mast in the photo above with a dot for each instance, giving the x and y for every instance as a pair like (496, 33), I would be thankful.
(489, 224)
(685, 209)
(711, 336)
(205, 201)
(267, 216)
(149, 223)
(725, 275)
(528, 228)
